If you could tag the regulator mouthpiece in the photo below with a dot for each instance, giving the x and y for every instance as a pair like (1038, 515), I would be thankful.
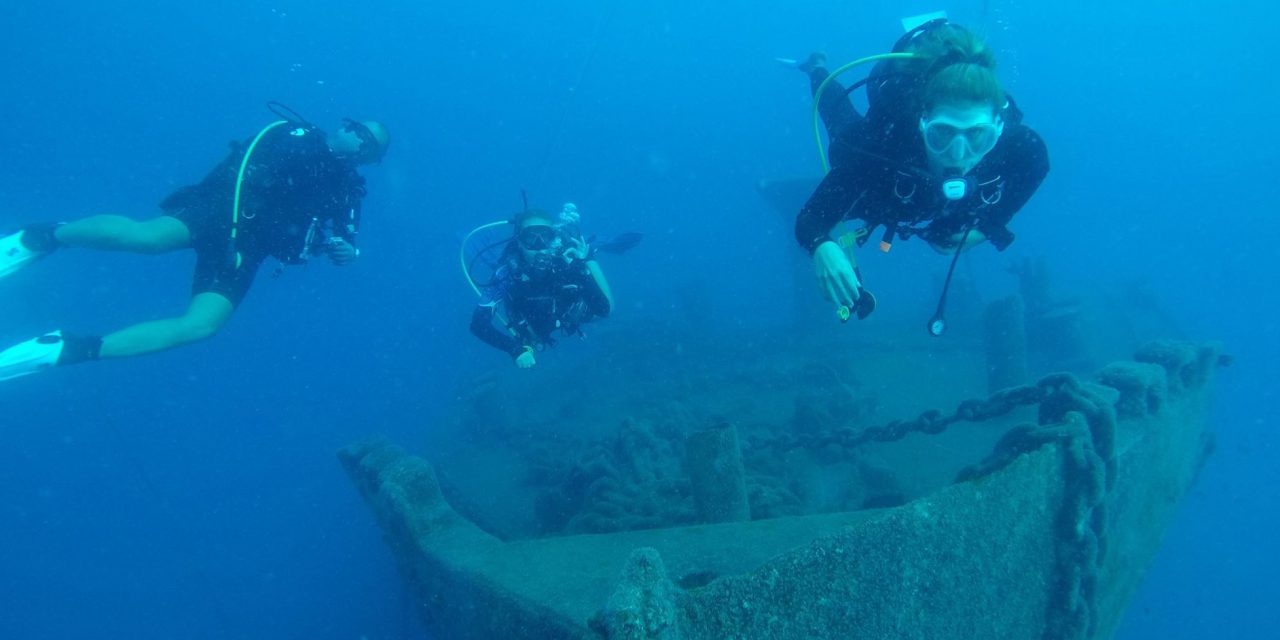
(955, 187)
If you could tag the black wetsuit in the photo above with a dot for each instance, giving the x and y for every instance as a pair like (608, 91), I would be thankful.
(880, 175)
(534, 303)
(293, 184)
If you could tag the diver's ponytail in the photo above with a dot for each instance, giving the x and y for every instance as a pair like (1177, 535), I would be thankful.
(958, 68)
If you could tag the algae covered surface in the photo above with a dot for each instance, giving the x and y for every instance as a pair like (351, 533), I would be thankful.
(1031, 513)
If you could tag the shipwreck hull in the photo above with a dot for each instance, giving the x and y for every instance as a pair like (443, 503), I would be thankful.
(1048, 537)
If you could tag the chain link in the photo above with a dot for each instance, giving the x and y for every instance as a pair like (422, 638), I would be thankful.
(931, 422)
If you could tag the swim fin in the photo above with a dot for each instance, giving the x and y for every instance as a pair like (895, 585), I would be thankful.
(14, 254)
(912, 22)
(31, 356)
(621, 243)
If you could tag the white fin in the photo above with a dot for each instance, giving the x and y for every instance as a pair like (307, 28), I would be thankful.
(912, 22)
(14, 255)
(31, 356)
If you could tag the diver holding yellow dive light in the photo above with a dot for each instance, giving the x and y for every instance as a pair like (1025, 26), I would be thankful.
(941, 153)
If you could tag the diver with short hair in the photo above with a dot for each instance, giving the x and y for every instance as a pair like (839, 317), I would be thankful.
(941, 153)
(546, 280)
(292, 192)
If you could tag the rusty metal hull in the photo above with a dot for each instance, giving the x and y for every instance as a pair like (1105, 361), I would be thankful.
(1023, 549)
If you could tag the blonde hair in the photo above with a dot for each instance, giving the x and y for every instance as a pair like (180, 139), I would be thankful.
(958, 67)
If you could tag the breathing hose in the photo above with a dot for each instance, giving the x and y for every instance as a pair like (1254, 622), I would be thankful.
(234, 255)
(817, 97)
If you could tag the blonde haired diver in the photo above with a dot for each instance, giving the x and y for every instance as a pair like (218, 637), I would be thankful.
(941, 153)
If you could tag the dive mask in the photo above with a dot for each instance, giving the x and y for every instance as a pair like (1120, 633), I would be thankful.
(942, 134)
(536, 238)
(369, 145)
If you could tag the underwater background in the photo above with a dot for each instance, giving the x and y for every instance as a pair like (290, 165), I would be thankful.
(196, 494)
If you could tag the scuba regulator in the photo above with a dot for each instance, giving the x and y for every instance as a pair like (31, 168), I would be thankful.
(955, 185)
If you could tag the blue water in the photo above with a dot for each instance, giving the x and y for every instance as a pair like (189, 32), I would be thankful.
(196, 494)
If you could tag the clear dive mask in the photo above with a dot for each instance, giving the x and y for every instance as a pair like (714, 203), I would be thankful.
(369, 146)
(942, 135)
(961, 143)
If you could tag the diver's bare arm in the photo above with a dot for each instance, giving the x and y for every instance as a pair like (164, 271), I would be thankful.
(597, 276)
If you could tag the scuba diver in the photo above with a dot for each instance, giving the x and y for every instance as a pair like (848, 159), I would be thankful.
(545, 279)
(291, 192)
(941, 153)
